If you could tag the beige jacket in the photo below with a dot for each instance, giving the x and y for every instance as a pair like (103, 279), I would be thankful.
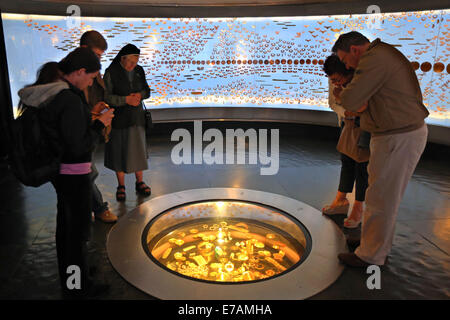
(334, 105)
(385, 78)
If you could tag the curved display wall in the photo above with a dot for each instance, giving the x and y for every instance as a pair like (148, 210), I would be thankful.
(254, 63)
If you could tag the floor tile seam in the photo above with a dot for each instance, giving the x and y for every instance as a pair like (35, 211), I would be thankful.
(434, 244)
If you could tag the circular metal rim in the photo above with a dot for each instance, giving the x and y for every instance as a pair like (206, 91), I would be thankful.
(307, 248)
(316, 273)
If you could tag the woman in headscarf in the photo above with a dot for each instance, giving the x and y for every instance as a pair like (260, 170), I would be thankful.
(126, 87)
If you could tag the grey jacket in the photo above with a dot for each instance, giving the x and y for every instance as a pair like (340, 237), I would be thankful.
(40, 95)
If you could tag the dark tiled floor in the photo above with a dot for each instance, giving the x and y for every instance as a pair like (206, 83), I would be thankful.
(419, 263)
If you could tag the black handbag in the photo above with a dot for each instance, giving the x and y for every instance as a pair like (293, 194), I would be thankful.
(148, 120)
(364, 138)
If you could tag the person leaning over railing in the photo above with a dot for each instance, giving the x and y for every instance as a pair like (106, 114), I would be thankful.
(395, 117)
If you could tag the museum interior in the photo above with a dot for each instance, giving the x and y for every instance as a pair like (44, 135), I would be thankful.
(242, 156)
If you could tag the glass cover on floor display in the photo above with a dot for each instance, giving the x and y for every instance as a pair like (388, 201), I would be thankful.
(226, 241)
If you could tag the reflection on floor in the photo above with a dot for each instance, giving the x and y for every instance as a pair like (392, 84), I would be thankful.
(418, 266)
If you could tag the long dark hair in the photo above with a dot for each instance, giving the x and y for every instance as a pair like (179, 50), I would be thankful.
(334, 65)
(47, 73)
(78, 59)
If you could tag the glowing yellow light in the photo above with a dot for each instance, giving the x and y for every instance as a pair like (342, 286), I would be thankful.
(220, 204)
(167, 252)
(188, 248)
(202, 257)
(229, 266)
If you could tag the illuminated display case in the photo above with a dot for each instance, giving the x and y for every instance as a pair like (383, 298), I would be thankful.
(226, 241)
(271, 62)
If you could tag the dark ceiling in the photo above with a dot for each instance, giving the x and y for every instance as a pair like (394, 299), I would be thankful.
(223, 8)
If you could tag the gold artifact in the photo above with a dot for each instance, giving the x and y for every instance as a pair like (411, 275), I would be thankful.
(167, 252)
(188, 248)
(179, 242)
(226, 250)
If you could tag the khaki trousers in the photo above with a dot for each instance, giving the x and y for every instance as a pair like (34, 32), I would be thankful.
(393, 159)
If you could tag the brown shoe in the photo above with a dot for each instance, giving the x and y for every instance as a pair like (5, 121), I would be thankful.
(106, 216)
(352, 260)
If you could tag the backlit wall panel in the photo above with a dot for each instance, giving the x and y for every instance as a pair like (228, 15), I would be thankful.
(254, 62)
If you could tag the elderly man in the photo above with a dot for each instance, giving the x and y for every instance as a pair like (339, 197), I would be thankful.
(395, 117)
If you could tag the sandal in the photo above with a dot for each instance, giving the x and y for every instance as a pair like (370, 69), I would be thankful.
(351, 224)
(339, 209)
(120, 193)
(143, 189)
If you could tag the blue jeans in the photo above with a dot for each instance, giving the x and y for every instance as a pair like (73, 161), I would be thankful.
(98, 205)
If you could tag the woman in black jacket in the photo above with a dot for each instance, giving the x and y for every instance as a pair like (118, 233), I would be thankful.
(126, 87)
(66, 121)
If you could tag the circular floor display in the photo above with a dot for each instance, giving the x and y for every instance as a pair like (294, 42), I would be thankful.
(226, 243)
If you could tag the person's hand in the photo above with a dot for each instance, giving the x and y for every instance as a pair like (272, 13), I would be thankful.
(99, 107)
(337, 91)
(363, 108)
(106, 117)
(337, 94)
(132, 100)
(348, 113)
